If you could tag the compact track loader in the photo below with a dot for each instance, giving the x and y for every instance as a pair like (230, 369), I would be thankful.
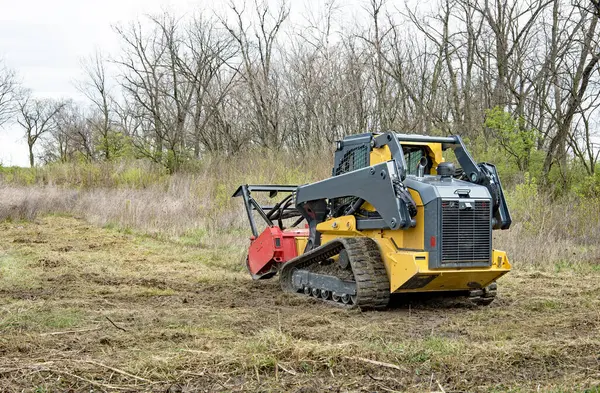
(393, 218)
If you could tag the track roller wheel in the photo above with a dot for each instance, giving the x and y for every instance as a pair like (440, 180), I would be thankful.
(343, 260)
(346, 298)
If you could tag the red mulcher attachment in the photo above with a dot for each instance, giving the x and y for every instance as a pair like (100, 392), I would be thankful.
(270, 248)
(275, 245)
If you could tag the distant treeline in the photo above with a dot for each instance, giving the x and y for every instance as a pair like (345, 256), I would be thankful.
(521, 78)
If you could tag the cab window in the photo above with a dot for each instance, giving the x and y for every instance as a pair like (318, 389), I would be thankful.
(412, 156)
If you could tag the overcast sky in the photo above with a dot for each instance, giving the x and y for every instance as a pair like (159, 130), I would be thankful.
(45, 40)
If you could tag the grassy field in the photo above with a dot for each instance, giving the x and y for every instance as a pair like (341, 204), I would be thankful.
(86, 308)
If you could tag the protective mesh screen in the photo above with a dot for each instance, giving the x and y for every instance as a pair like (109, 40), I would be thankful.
(355, 158)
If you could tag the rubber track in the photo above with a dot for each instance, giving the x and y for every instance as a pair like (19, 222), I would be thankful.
(485, 296)
(372, 283)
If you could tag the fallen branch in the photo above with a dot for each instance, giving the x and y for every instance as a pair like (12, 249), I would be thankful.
(291, 372)
(70, 331)
(117, 370)
(377, 363)
(101, 385)
(114, 324)
(193, 351)
(440, 386)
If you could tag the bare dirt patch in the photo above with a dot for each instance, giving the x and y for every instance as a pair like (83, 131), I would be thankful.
(97, 309)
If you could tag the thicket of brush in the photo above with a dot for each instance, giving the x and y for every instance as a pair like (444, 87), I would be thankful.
(196, 204)
(139, 195)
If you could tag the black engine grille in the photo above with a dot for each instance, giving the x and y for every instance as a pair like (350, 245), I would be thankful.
(466, 234)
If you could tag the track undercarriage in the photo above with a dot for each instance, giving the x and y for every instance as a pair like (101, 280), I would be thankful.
(355, 278)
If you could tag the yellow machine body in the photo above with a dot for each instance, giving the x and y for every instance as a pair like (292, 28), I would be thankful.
(403, 251)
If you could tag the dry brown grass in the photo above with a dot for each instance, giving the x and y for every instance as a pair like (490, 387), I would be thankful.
(551, 234)
(84, 308)
(140, 197)
(198, 207)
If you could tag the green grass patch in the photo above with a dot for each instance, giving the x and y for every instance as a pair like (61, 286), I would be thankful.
(14, 272)
(542, 305)
(564, 266)
(193, 237)
(36, 319)
(432, 348)
(150, 292)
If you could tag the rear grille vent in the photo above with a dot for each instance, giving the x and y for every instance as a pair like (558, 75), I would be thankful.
(466, 233)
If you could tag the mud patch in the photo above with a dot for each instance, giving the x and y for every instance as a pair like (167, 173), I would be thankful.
(27, 294)
(21, 240)
(48, 263)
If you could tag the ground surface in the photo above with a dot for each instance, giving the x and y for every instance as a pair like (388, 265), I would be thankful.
(91, 309)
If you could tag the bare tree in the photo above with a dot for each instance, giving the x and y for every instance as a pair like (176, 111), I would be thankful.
(78, 130)
(385, 97)
(324, 84)
(505, 19)
(258, 67)
(207, 72)
(8, 92)
(142, 78)
(96, 88)
(37, 117)
(573, 60)
(581, 140)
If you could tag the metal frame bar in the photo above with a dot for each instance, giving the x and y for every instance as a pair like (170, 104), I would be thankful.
(374, 184)
(391, 140)
(453, 140)
(250, 203)
(272, 189)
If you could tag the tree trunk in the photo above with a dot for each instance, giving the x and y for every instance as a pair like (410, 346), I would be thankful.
(31, 160)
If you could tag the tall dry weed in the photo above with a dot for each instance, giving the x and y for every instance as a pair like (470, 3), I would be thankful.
(198, 204)
(550, 232)
(142, 197)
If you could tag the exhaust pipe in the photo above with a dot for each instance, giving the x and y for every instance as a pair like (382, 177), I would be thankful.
(421, 168)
